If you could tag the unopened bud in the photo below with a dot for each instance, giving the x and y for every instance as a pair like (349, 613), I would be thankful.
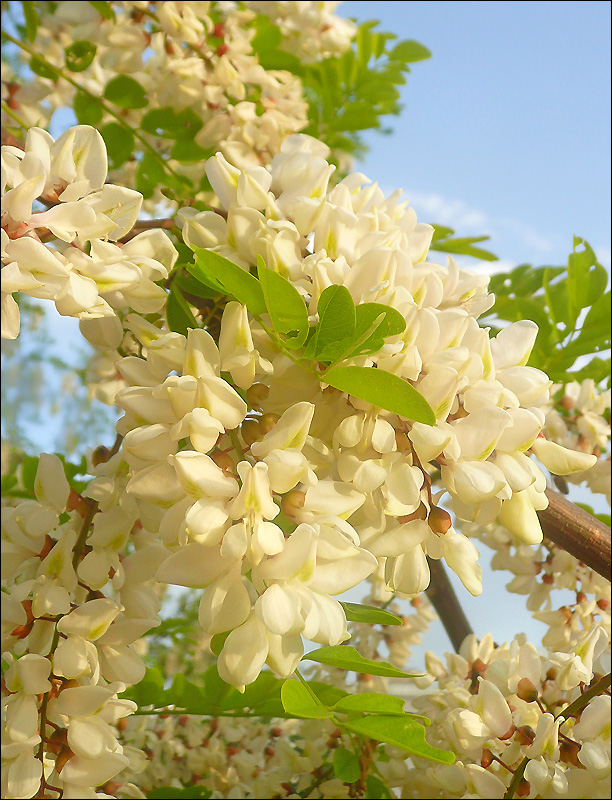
(527, 691)
(439, 520)
(62, 759)
(567, 403)
(256, 394)
(224, 461)
(525, 735)
(487, 758)
(568, 752)
(100, 455)
(523, 789)
(267, 422)
(251, 432)
(292, 502)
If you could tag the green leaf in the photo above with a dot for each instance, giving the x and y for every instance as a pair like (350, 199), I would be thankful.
(298, 702)
(336, 329)
(125, 92)
(119, 143)
(87, 109)
(30, 15)
(285, 305)
(376, 789)
(409, 51)
(464, 246)
(188, 283)
(43, 69)
(346, 765)
(149, 175)
(149, 691)
(28, 468)
(355, 116)
(228, 278)
(355, 612)
(382, 389)
(188, 152)
(103, 7)
(344, 657)
(179, 315)
(170, 124)
(372, 703)
(185, 792)
(402, 732)
(79, 55)
(374, 323)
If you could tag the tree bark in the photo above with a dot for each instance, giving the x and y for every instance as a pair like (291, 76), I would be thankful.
(443, 598)
(575, 530)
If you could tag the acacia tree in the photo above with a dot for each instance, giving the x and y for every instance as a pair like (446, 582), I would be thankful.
(313, 399)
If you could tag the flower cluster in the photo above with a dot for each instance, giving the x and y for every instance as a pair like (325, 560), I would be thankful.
(496, 706)
(74, 603)
(85, 272)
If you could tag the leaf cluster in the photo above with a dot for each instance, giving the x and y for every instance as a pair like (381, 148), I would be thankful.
(570, 305)
(344, 331)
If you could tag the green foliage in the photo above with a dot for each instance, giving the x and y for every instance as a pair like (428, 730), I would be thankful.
(285, 305)
(445, 241)
(87, 109)
(299, 702)
(345, 657)
(346, 765)
(186, 792)
(119, 143)
(125, 92)
(104, 8)
(178, 314)
(30, 15)
(170, 124)
(355, 612)
(382, 389)
(228, 278)
(79, 55)
(403, 732)
(349, 94)
(571, 307)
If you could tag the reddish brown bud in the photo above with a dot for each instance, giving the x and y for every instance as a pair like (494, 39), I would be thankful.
(567, 403)
(525, 735)
(100, 455)
(439, 520)
(509, 733)
(62, 759)
(487, 758)
(568, 752)
(527, 691)
(523, 789)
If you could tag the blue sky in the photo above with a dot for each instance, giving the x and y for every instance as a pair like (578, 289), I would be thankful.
(505, 132)
(506, 129)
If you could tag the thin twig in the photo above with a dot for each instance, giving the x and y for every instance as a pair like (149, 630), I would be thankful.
(443, 598)
(576, 531)
(147, 225)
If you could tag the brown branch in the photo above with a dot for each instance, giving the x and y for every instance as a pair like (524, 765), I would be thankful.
(578, 532)
(10, 140)
(443, 598)
(147, 225)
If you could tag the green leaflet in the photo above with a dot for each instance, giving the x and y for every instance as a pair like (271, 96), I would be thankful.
(382, 389)
(125, 92)
(346, 765)
(79, 55)
(402, 732)
(299, 702)
(372, 703)
(179, 315)
(344, 657)
(335, 331)
(355, 612)
(119, 143)
(285, 306)
(228, 278)
(374, 323)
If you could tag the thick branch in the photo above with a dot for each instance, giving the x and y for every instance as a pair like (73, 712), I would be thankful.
(447, 605)
(575, 530)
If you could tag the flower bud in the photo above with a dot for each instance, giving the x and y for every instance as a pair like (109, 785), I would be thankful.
(525, 735)
(267, 422)
(256, 394)
(292, 502)
(439, 520)
(527, 691)
(251, 432)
